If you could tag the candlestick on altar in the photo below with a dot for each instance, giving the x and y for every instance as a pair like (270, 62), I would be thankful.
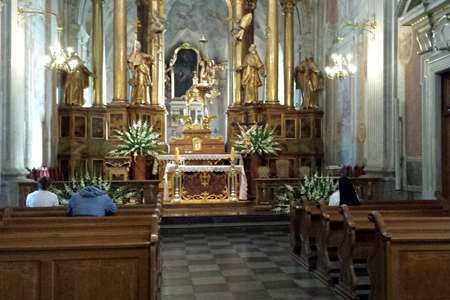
(233, 197)
(232, 154)
(177, 198)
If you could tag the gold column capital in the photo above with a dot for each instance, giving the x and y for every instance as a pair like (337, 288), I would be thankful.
(98, 2)
(250, 5)
(288, 5)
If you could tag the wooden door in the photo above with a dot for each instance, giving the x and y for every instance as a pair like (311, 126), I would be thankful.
(445, 134)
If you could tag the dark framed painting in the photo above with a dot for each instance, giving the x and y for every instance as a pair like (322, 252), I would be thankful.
(276, 125)
(318, 128)
(184, 71)
(64, 126)
(157, 125)
(97, 127)
(116, 123)
(290, 128)
(305, 128)
(97, 167)
(79, 128)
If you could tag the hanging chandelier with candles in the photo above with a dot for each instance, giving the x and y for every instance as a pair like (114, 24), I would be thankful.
(59, 59)
(343, 66)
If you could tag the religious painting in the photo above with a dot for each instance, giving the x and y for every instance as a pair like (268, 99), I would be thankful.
(97, 127)
(65, 126)
(184, 70)
(97, 167)
(319, 165)
(116, 123)
(148, 119)
(291, 128)
(275, 124)
(305, 128)
(157, 125)
(234, 127)
(318, 129)
(262, 119)
(64, 168)
(79, 128)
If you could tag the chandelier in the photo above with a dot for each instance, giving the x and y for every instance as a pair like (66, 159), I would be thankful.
(58, 59)
(343, 66)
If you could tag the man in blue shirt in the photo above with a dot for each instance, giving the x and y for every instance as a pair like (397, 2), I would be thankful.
(91, 201)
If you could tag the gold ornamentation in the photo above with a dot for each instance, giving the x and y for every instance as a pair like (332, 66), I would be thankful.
(206, 122)
(239, 27)
(218, 138)
(186, 121)
(267, 32)
(205, 178)
(197, 144)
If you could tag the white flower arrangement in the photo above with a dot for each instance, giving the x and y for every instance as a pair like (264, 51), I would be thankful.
(258, 139)
(139, 140)
(122, 194)
(313, 188)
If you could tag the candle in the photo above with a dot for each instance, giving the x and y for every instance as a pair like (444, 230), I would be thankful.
(177, 154)
(232, 154)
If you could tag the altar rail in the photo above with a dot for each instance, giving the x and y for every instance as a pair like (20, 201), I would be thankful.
(268, 188)
(147, 189)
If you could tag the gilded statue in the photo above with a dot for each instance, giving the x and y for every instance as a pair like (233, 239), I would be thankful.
(208, 71)
(308, 79)
(251, 66)
(76, 82)
(140, 64)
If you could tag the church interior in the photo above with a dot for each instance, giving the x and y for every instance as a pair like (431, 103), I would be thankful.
(221, 128)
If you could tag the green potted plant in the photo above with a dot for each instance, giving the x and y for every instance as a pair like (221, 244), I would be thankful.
(256, 142)
(138, 142)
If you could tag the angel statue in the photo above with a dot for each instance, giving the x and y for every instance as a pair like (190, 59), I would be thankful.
(246, 133)
(308, 79)
(239, 27)
(158, 23)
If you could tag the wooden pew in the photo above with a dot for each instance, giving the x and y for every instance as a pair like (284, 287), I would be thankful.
(295, 217)
(410, 262)
(80, 257)
(310, 222)
(359, 240)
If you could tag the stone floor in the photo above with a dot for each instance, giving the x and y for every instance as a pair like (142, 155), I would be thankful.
(235, 266)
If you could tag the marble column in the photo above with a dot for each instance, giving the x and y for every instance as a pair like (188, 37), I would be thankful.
(97, 52)
(154, 50)
(272, 52)
(12, 92)
(120, 52)
(238, 55)
(288, 10)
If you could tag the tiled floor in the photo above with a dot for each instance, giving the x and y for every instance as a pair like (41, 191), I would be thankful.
(235, 266)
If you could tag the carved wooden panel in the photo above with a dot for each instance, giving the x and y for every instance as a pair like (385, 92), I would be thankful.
(416, 266)
(20, 280)
(100, 278)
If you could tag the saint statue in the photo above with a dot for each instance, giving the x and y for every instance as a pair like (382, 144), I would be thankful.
(250, 78)
(308, 79)
(139, 64)
(76, 81)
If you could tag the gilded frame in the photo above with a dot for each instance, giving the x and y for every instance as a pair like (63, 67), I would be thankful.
(287, 125)
(103, 133)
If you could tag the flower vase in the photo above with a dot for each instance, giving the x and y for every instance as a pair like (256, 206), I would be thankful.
(138, 167)
(255, 163)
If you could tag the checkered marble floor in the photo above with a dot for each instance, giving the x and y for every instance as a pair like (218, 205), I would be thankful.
(235, 266)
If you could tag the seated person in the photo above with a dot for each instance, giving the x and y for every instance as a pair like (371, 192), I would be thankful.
(345, 195)
(42, 197)
(91, 201)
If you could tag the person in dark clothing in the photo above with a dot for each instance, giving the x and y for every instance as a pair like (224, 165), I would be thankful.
(345, 195)
(91, 201)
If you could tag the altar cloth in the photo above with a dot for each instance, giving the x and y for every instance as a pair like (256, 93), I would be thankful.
(170, 168)
(186, 157)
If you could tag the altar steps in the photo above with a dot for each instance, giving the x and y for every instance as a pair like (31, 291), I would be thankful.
(177, 219)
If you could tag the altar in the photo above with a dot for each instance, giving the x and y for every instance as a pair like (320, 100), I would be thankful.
(202, 177)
